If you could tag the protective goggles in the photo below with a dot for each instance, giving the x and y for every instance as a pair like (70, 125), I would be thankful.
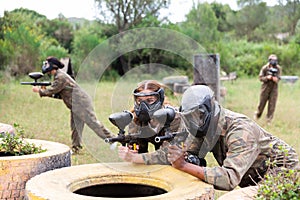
(197, 117)
(150, 98)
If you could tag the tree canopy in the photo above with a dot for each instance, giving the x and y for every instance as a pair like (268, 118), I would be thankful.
(243, 38)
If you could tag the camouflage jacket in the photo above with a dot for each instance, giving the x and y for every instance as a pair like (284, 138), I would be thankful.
(241, 148)
(266, 83)
(73, 96)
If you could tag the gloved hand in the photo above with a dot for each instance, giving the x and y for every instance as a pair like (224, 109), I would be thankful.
(194, 159)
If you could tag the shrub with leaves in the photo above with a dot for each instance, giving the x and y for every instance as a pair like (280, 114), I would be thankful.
(14, 144)
(283, 184)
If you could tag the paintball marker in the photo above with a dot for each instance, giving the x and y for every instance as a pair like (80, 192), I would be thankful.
(168, 136)
(165, 116)
(273, 71)
(121, 120)
(36, 76)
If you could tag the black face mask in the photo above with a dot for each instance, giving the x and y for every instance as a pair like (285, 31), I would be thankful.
(47, 67)
(143, 112)
(273, 62)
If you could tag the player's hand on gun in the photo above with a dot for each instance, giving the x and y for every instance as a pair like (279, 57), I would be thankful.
(275, 79)
(126, 154)
(176, 156)
(35, 89)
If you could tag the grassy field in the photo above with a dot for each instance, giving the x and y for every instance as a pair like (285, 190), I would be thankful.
(48, 119)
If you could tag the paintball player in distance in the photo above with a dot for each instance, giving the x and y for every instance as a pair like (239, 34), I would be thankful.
(77, 100)
(269, 75)
(239, 145)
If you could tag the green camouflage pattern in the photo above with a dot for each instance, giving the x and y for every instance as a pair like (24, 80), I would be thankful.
(80, 104)
(240, 146)
(160, 155)
(241, 150)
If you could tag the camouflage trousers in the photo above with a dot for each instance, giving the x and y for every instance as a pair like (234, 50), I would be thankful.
(77, 124)
(271, 98)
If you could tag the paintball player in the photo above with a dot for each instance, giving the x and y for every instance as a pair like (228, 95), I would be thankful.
(269, 75)
(149, 96)
(239, 145)
(77, 100)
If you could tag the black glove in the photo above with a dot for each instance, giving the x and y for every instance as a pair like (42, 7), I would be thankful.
(194, 159)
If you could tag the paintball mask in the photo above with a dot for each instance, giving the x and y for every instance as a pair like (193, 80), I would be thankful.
(50, 64)
(47, 67)
(145, 104)
(198, 118)
(273, 62)
(199, 110)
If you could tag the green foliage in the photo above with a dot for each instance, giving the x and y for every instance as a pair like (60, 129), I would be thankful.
(281, 184)
(247, 58)
(15, 145)
(62, 30)
(201, 25)
(110, 75)
(246, 21)
(242, 39)
(56, 51)
(90, 36)
(25, 43)
(128, 14)
(221, 12)
(20, 42)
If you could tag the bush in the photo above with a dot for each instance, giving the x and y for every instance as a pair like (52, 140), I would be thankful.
(281, 185)
(14, 144)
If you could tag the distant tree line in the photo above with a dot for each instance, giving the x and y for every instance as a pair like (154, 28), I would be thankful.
(242, 38)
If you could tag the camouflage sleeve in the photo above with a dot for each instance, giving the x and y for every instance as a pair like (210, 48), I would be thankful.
(157, 157)
(279, 72)
(263, 74)
(243, 149)
(57, 85)
(160, 156)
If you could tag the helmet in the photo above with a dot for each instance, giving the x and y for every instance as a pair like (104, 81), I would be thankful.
(50, 64)
(198, 108)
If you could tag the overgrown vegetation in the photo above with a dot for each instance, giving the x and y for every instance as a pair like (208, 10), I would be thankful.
(15, 145)
(283, 184)
(243, 40)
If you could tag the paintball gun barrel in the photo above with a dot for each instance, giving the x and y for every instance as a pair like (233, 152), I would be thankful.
(122, 138)
(168, 136)
(36, 76)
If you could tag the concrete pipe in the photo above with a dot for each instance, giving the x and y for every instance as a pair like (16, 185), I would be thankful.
(15, 171)
(117, 181)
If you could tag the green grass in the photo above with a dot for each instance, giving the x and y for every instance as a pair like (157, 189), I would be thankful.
(49, 119)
